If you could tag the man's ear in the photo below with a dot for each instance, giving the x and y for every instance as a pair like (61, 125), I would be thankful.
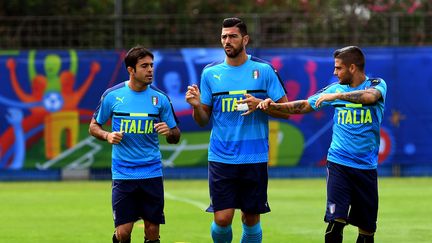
(245, 40)
(352, 68)
(130, 70)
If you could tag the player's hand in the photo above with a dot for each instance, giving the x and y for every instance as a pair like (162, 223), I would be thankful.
(251, 102)
(162, 128)
(193, 95)
(325, 97)
(266, 104)
(115, 137)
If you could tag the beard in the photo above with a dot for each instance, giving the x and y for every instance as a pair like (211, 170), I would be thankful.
(235, 52)
(346, 80)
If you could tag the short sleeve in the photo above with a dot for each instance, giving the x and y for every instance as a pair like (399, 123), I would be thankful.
(382, 87)
(275, 89)
(167, 113)
(329, 89)
(104, 111)
(206, 93)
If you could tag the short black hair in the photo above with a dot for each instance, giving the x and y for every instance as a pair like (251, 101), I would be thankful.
(136, 53)
(235, 22)
(351, 55)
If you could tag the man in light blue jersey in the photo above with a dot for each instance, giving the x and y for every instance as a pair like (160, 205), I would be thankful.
(238, 148)
(138, 113)
(352, 191)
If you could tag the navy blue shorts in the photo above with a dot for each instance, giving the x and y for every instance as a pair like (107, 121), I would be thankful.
(352, 194)
(138, 199)
(241, 186)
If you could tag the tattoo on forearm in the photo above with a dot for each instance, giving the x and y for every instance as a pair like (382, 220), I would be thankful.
(294, 107)
(355, 97)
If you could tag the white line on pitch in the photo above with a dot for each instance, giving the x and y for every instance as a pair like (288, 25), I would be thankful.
(195, 203)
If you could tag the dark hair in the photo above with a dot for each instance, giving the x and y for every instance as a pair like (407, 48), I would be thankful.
(134, 54)
(235, 22)
(351, 55)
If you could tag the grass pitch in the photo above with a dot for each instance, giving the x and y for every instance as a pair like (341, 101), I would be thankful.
(81, 212)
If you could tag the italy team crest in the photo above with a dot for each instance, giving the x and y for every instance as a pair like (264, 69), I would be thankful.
(255, 74)
(154, 100)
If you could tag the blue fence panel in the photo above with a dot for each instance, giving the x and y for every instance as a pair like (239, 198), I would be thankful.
(45, 93)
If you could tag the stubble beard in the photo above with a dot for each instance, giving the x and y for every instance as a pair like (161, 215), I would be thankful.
(235, 52)
(346, 80)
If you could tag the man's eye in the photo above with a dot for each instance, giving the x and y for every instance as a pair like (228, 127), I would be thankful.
(146, 65)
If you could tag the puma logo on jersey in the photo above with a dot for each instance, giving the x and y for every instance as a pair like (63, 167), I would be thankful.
(120, 99)
(218, 77)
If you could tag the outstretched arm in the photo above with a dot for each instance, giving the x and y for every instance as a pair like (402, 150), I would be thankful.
(293, 107)
(94, 69)
(11, 65)
(277, 113)
(365, 97)
(31, 65)
(253, 102)
(73, 61)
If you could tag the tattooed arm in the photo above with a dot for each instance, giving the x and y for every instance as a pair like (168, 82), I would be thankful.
(253, 103)
(293, 107)
(365, 97)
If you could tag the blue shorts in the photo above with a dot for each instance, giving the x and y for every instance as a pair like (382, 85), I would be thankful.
(242, 186)
(138, 199)
(352, 194)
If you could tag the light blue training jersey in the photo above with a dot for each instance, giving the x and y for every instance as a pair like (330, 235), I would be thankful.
(356, 129)
(237, 139)
(137, 156)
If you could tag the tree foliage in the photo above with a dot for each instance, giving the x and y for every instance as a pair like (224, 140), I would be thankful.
(193, 7)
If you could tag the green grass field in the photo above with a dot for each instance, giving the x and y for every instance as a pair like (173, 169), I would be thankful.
(81, 212)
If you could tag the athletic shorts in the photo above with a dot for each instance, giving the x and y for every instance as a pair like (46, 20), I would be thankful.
(352, 194)
(138, 199)
(242, 186)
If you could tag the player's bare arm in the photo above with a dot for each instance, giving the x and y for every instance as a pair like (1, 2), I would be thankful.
(96, 130)
(365, 97)
(293, 107)
(201, 113)
(276, 113)
(172, 134)
(253, 102)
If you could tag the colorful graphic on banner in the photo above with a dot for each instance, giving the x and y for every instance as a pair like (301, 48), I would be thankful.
(48, 97)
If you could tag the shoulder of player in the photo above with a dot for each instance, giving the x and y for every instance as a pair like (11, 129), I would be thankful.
(260, 61)
(262, 64)
(376, 81)
(213, 65)
(158, 92)
(333, 87)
